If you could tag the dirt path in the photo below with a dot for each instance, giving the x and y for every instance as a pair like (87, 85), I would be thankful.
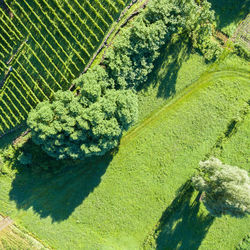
(5, 223)
(16, 238)
(222, 36)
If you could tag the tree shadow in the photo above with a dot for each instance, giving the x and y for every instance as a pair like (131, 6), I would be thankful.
(181, 225)
(166, 68)
(229, 11)
(9, 137)
(57, 194)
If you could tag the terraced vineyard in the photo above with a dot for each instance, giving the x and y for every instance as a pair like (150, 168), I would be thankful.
(241, 35)
(44, 44)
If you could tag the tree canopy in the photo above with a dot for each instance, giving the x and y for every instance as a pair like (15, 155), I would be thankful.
(92, 123)
(70, 128)
(226, 188)
(132, 55)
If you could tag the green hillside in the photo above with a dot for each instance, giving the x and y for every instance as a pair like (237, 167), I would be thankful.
(139, 195)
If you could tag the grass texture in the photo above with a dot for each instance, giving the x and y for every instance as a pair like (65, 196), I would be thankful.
(117, 202)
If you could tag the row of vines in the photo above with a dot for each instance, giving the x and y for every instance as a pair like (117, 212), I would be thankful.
(44, 44)
(242, 34)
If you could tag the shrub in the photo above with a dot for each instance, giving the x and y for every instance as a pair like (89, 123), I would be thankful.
(199, 27)
(226, 188)
(241, 51)
(133, 53)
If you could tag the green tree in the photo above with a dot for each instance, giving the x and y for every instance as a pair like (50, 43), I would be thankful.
(71, 127)
(226, 188)
(131, 58)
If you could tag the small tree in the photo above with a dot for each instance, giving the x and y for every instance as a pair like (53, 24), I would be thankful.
(226, 188)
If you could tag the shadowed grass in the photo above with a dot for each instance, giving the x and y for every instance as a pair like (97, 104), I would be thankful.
(57, 195)
(182, 225)
(229, 13)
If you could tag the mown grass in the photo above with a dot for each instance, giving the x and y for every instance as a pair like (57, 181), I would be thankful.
(186, 224)
(173, 73)
(234, 151)
(116, 202)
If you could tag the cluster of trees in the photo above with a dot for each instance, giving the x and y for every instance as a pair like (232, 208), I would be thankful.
(131, 57)
(225, 189)
(92, 123)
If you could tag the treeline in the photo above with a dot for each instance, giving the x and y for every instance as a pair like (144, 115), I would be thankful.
(92, 123)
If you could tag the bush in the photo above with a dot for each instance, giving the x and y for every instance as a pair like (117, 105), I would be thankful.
(199, 27)
(242, 52)
(226, 188)
(78, 127)
(133, 53)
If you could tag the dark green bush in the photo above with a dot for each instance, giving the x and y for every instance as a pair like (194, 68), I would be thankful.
(242, 52)
(76, 127)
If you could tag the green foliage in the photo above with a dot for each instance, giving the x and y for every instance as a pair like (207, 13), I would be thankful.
(229, 13)
(133, 53)
(199, 27)
(226, 188)
(25, 159)
(9, 153)
(148, 170)
(78, 127)
(131, 57)
(242, 51)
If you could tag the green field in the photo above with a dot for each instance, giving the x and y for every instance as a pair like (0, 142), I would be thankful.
(48, 49)
(139, 196)
(116, 202)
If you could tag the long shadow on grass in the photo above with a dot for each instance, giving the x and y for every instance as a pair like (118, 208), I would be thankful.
(229, 11)
(181, 226)
(57, 194)
(166, 68)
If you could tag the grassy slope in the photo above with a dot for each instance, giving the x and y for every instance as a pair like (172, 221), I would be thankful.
(236, 149)
(190, 226)
(235, 152)
(117, 209)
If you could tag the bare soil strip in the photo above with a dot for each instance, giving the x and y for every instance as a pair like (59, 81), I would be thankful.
(5, 223)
